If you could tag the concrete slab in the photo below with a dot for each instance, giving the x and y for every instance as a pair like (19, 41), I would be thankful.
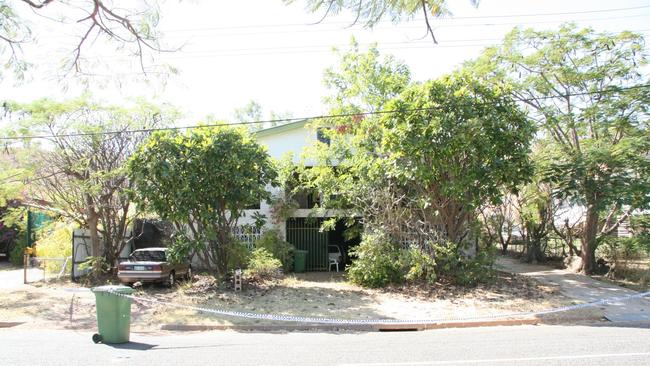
(584, 288)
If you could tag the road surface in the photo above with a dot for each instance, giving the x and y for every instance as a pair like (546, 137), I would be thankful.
(523, 345)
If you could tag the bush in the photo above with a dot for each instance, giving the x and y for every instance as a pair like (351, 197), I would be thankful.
(262, 265)
(98, 267)
(55, 243)
(419, 266)
(17, 252)
(462, 269)
(238, 255)
(380, 262)
(279, 248)
(377, 262)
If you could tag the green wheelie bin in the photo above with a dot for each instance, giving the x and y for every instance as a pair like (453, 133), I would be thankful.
(299, 260)
(113, 314)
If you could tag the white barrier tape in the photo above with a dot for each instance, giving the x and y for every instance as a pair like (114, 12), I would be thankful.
(319, 320)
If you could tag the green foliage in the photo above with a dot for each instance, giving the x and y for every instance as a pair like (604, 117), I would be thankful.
(587, 91)
(420, 266)
(239, 256)
(80, 171)
(452, 145)
(462, 269)
(98, 267)
(280, 249)
(54, 242)
(262, 265)
(202, 179)
(18, 251)
(180, 248)
(377, 262)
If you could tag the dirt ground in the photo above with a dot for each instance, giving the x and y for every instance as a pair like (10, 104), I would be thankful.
(64, 304)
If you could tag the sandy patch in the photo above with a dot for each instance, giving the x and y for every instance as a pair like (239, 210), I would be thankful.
(328, 295)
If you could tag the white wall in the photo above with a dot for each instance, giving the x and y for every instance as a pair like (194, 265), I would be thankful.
(294, 141)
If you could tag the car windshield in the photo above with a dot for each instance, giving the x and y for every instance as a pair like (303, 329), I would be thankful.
(149, 255)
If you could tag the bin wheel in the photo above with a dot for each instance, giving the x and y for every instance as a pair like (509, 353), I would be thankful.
(97, 338)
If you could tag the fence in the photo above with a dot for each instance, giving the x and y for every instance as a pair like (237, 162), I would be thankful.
(44, 269)
(552, 246)
(247, 235)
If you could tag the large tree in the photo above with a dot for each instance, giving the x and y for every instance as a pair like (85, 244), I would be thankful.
(73, 162)
(202, 180)
(427, 155)
(590, 97)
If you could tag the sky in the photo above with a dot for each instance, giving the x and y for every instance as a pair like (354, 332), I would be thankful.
(264, 50)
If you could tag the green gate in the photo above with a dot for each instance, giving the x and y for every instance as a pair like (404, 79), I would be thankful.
(305, 234)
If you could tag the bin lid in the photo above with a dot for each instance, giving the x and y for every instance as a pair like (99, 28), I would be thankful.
(300, 251)
(111, 288)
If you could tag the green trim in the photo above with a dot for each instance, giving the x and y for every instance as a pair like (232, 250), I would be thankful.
(281, 128)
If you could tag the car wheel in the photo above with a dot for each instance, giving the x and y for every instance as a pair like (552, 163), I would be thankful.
(171, 279)
(188, 275)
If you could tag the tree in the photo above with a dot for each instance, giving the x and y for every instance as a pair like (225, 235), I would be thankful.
(132, 28)
(589, 96)
(77, 167)
(371, 12)
(432, 154)
(253, 112)
(455, 143)
(499, 221)
(201, 181)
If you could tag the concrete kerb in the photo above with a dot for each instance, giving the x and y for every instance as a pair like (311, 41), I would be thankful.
(352, 327)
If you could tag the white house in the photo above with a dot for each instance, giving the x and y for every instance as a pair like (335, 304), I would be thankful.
(302, 229)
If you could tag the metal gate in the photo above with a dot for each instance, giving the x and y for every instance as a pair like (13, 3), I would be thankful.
(305, 234)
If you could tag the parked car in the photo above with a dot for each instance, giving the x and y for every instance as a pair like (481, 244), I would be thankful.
(151, 265)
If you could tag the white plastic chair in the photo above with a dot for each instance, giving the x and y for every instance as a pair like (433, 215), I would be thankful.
(334, 256)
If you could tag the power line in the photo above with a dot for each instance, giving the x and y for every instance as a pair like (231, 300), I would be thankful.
(308, 49)
(442, 19)
(289, 120)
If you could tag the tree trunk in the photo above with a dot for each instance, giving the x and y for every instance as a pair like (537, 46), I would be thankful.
(95, 243)
(589, 243)
(534, 252)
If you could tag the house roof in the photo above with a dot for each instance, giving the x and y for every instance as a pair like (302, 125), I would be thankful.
(281, 128)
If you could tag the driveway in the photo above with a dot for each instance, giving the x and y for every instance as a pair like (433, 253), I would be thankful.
(584, 288)
(12, 277)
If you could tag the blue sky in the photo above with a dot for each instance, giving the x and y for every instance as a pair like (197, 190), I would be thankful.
(263, 50)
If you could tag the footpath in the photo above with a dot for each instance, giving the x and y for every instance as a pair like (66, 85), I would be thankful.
(585, 289)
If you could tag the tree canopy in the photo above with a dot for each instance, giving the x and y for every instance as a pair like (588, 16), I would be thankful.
(371, 12)
(76, 169)
(588, 95)
(202, 181)
(131, 28)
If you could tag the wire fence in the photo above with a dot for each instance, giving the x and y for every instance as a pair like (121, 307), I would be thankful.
(43, 269)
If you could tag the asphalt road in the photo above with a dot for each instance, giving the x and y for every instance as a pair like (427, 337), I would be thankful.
(522, 345)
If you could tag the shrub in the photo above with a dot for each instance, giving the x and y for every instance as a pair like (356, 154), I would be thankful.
(239, 256)
(377, 262)
(55, 243)
(262, 265)
(462, 269)
(17, 252)
(279, 248)
(98, 267)
(419, 266)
